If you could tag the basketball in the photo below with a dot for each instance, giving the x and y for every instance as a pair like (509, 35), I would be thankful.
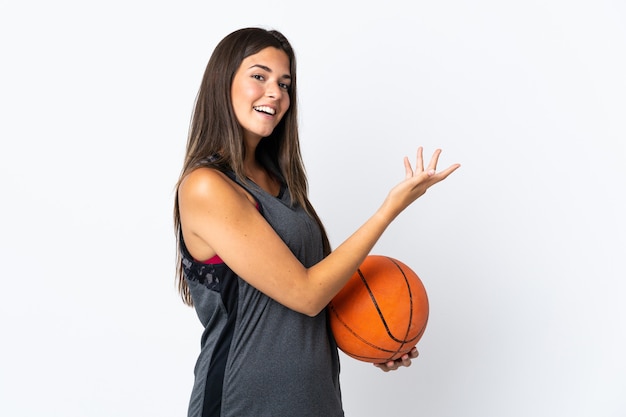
(381, 313)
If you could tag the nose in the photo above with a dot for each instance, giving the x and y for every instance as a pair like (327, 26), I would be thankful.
(273, 90)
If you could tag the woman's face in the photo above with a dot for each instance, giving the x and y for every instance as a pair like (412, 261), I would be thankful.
(260, 92)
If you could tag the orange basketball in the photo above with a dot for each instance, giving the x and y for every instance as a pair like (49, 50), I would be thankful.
(381, 313)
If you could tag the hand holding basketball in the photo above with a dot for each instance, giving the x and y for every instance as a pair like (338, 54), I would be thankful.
(405, 360)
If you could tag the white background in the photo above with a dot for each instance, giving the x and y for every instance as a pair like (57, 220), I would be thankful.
(522, 250)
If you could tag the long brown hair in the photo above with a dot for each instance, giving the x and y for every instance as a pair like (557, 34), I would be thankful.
(215, 132)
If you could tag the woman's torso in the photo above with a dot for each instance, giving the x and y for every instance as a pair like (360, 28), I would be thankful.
(259, 357)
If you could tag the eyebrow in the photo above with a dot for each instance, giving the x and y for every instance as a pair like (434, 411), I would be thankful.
(268, 69)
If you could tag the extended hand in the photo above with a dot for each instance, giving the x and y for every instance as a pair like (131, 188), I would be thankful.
(418, 181)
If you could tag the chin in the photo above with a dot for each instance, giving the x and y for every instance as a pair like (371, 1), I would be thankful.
(264, 133)
(260, 133)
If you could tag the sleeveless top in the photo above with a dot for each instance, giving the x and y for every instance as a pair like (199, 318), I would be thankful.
(259, 358)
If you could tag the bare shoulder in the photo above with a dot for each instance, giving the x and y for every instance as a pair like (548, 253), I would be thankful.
(205, 185)
(208, 201)
(202, 180)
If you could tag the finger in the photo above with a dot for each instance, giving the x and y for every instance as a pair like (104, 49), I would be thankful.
(444, 174)
(382, 366)
(403, 360)
(419, 166)
(406, 360)
(434, 159)
(408, 171)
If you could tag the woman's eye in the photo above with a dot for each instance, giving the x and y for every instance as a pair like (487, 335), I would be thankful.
(284, 86)
(258, 77)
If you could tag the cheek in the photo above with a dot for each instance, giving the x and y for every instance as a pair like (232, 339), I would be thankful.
(243, 93)
(240, 102)
(285, 104)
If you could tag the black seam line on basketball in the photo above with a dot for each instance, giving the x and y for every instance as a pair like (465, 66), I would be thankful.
(403, 343)
(406, 280)
(421, 332)
(356, 335)
(380, 313)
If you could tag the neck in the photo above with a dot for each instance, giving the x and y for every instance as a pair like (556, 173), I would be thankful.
(251, 142)
(256, 172)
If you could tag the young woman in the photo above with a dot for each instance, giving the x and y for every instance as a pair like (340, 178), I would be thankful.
(254, 259)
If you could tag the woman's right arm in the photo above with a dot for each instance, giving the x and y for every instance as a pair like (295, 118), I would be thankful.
(217, 217)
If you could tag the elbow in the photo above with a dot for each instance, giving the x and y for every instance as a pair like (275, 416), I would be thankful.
(311, 313)
(305, 304)
(307, 301)
(313, 308)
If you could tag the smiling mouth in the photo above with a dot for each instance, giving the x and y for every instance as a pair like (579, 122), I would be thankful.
(265, 109)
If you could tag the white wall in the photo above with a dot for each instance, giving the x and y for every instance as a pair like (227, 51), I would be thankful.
(522, 250)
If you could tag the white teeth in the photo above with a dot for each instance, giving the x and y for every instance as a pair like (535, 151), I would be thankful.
(265, 109)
